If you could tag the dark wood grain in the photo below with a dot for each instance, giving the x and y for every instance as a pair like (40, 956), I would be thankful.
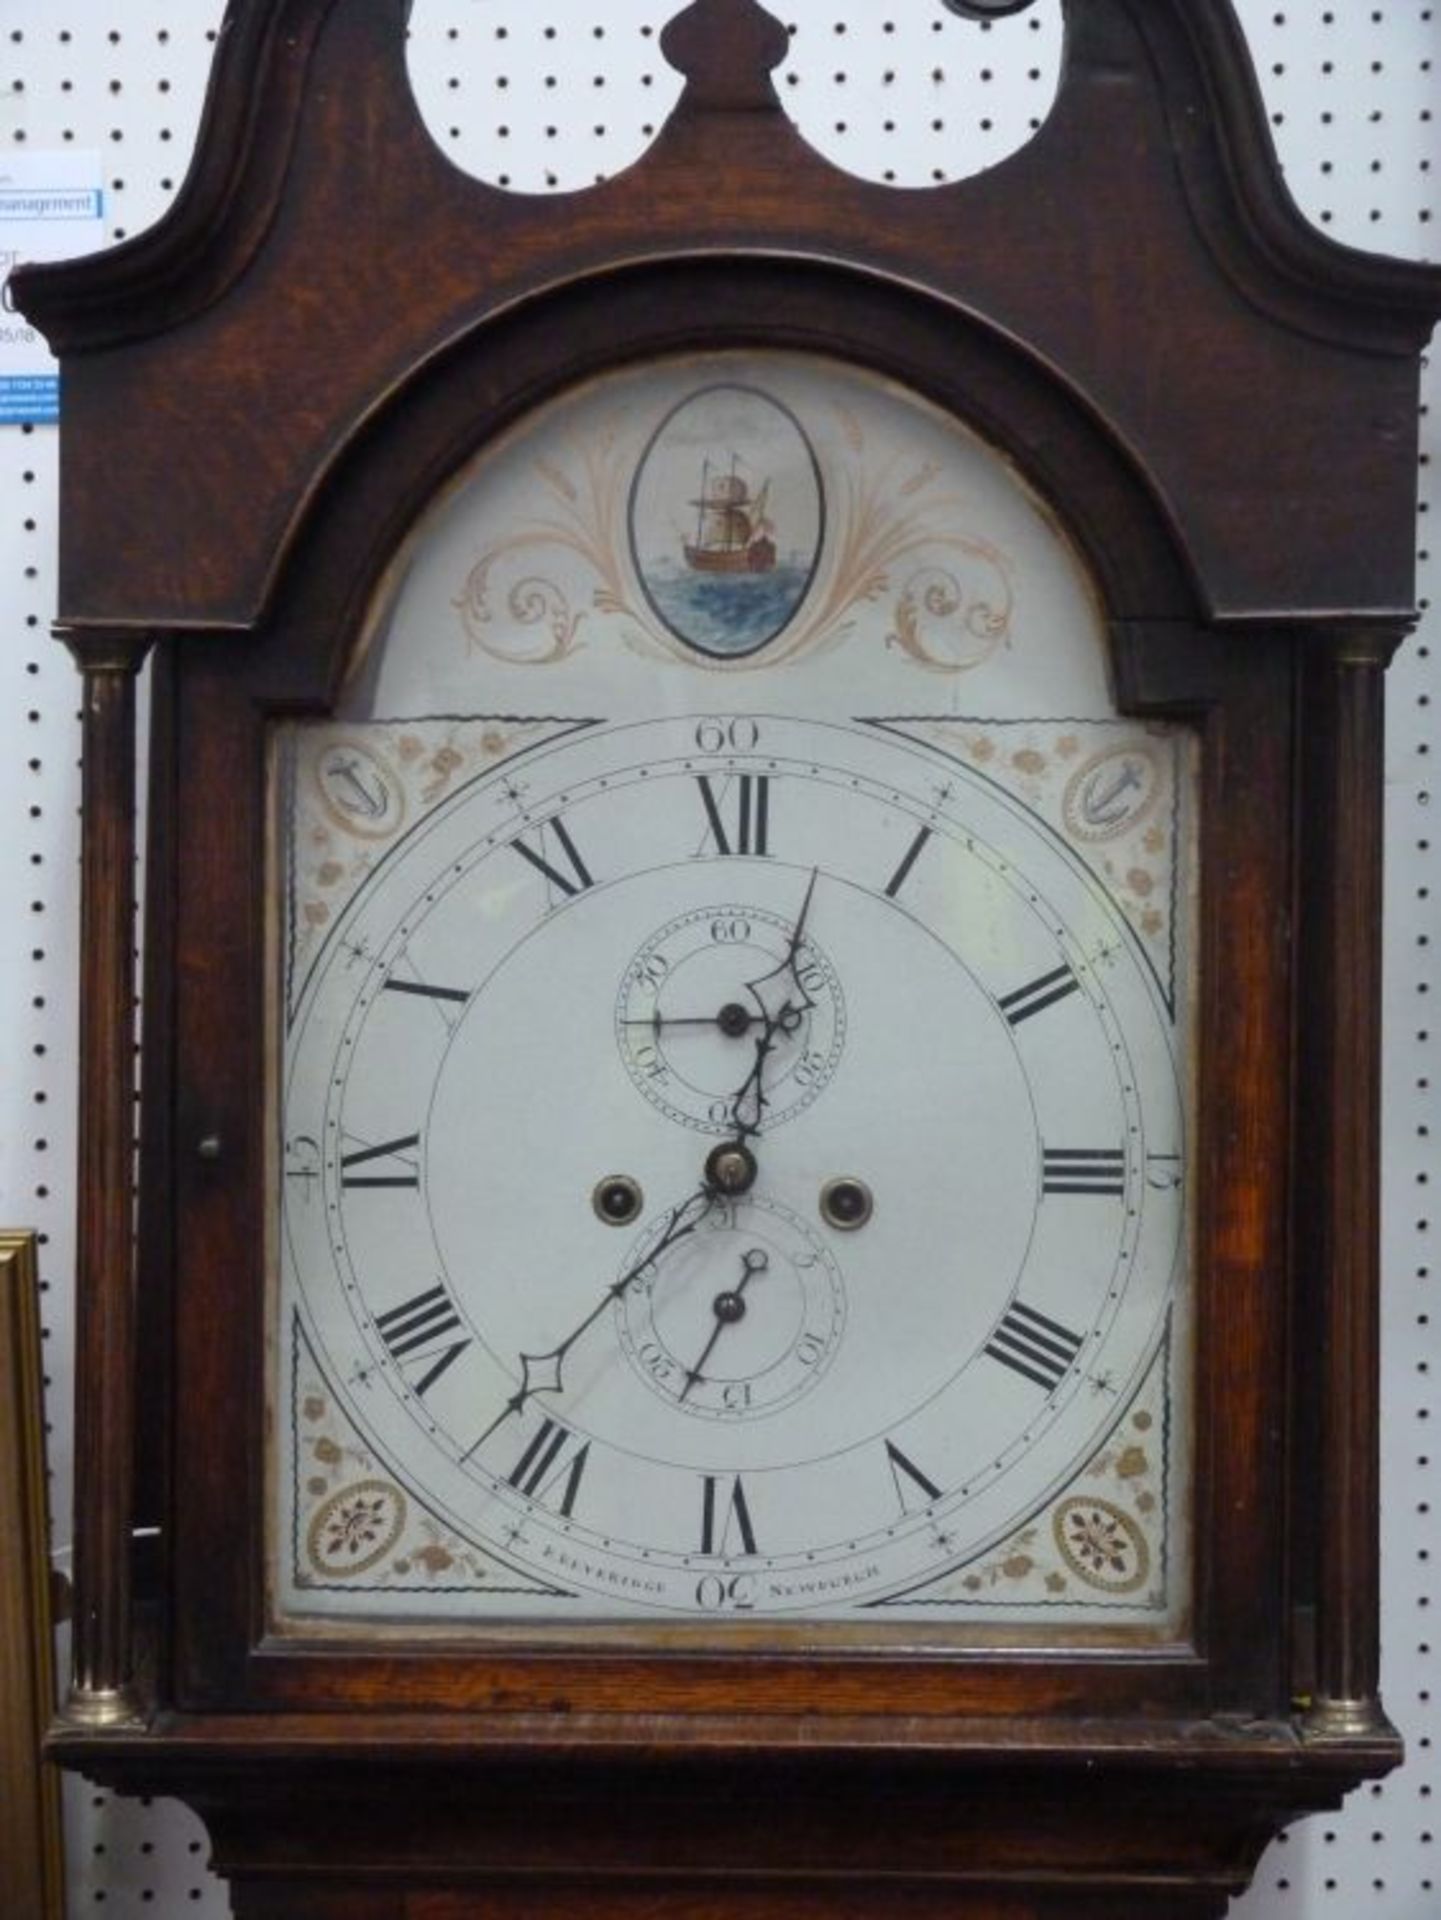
(1219, 406)
(727, 55)
(757, 1830)
(1141, 240)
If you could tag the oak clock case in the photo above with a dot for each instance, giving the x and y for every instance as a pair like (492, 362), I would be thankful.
(756, 1285)
(732, 1028)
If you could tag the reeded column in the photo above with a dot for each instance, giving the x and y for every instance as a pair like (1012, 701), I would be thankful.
(1342, 892)
(102, 1658)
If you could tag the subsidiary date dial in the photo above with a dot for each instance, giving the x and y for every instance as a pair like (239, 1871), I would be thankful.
(742, 1319)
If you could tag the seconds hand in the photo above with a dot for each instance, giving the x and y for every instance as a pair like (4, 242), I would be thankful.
(785, 1021)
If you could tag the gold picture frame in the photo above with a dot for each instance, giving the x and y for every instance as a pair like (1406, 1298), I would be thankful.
(32, 1880)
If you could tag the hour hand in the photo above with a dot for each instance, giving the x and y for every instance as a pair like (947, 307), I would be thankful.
(729, 1308)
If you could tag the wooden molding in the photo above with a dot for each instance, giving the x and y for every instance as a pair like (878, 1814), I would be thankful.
(31, 1857)
(1220, 407)
(1157, 149)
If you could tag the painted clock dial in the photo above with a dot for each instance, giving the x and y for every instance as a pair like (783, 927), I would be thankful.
(733, 1030)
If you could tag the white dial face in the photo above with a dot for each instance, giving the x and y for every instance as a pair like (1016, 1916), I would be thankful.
(733, 1158)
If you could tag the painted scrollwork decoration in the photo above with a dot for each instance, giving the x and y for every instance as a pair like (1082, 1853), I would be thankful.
(585, 525)
(950, 618)
(739, 535)
(894, 532)
(532, 603)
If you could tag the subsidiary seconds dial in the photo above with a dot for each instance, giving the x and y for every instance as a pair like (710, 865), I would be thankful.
(699, 990)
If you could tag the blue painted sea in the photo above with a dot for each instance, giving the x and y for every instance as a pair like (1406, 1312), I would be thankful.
(726, 615)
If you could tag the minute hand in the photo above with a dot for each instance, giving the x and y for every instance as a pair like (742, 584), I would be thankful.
(748, 1107)
(545, 1372)
(798, 933)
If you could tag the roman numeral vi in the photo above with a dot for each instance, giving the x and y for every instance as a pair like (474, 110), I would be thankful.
(725, 1515)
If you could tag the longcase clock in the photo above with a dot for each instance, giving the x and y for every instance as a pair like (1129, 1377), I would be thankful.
(755, 1288)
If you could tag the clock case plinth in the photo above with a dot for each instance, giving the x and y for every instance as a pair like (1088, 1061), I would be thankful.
(794, 1816)
(1220, 406)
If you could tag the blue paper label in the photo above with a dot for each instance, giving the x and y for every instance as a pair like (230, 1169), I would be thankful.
(52, 207)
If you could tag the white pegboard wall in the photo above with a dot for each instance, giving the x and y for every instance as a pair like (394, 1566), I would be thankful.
(548, 97)
(908, 95)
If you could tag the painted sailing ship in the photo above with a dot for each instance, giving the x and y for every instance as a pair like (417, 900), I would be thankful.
(733, 533)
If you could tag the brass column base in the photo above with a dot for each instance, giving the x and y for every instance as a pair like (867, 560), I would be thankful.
(100, 1708)
(1363, 1719)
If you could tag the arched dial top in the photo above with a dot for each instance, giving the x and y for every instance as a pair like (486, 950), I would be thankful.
(734, 1087)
